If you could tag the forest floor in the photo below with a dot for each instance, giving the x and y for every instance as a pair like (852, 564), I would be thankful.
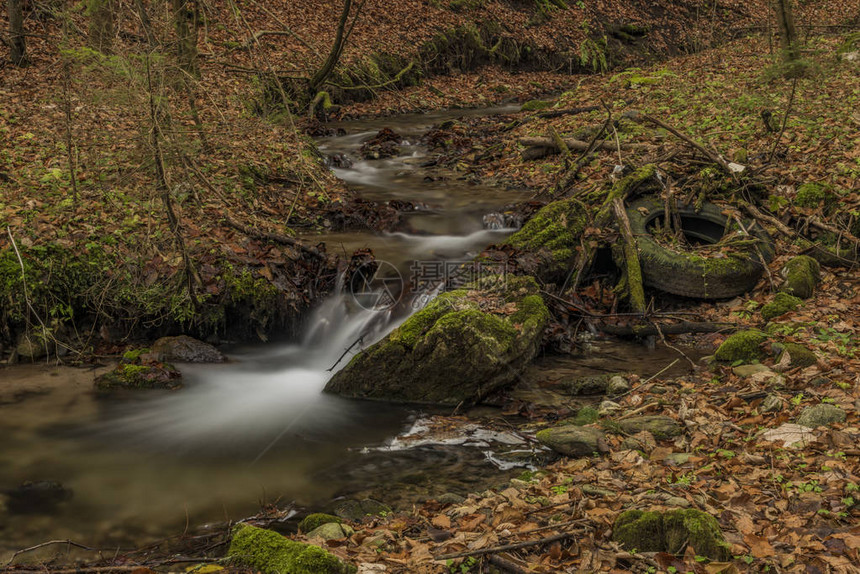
(789, 504)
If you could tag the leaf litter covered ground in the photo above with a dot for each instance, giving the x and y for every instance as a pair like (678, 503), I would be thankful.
(786, 503)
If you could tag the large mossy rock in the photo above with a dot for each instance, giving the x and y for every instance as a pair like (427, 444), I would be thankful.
(821, 415)
(671, 532)
(743, 346)
(139, 370)
(550, 239)
(271, 553)
(662, 427)
(185, 349)
(464, 345)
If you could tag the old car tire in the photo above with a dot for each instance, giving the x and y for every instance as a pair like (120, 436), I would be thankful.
(692, 274)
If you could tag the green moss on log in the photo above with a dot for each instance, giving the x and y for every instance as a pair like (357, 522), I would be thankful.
(671, 532)
(271, 553)
(552, 236)
(640, 531)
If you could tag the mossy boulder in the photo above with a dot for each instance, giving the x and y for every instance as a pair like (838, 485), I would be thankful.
(662, 427)
(640, 530)
(317, 519)
(535, 106)
(782, 303)
(672, 532)
(573, 440)
(742, 346)
(463, 346)
(821, 415)
(587, 385)
(799, 355)
(802, 274)
(271, 553)
(185, 349)
(549, 240)
(139, 370)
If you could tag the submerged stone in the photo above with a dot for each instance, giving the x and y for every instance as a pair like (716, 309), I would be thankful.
(136, 375)
(41, 496)
(463, 346)
(742, 346)
(271, 553)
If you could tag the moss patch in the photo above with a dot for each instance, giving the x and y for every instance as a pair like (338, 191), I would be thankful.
(782, 303)
(535, 105)
(800, 355)
(551, 238)
(802, 274)
(742, 346)
(671, 532)
(271, 553)
(813, 195)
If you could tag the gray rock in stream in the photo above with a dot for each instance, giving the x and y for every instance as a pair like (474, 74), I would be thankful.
(185, 349)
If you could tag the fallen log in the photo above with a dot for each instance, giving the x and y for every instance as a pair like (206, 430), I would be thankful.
(572, 144)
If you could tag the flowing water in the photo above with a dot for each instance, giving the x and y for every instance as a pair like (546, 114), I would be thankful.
(259, 430)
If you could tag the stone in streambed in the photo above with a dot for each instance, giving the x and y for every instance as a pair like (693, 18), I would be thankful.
(315, 520)
(185, 349)
(572, 440)
(41, 496)
(821, 415)
(356, 510)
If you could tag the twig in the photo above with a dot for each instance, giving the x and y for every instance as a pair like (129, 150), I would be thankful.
(760, 215)
(842, 234)
(673, 347)
(24, 284)
(48, 543)
(784, 121)
(274, 237)
(506, 564)
(348, 349)
(506, 547)
(637, 411)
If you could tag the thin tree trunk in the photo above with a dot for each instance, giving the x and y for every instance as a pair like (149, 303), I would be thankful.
(17, 40)
(186, 21)
(101, 29)
(334, 55)
(787, 31)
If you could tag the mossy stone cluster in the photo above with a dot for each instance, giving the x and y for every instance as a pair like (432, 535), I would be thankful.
(453, 351)
(550, 239)
(271, 553)
(802, 274)
(672, 532)
(742, 346)
(782, 303)
(315, 520)
(136, 370)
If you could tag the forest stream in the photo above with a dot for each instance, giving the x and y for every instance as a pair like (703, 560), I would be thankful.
(258, 430)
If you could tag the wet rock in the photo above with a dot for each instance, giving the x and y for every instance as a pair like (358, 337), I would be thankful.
(315, 520)
(386, 143)
(782, 303)
(802, 274)
(821, 415)
(339, 160)
(572, 440)
(37, 497)
(506, 220)
(450, 498)
(356, 510)
(662, 427)
(271, 553)
(185, 349)
(617, 385)
(671, 532)
(462, 346)
(588, 385)
(331, 531)
(139, 369)
(771, 404)
(742, 346)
